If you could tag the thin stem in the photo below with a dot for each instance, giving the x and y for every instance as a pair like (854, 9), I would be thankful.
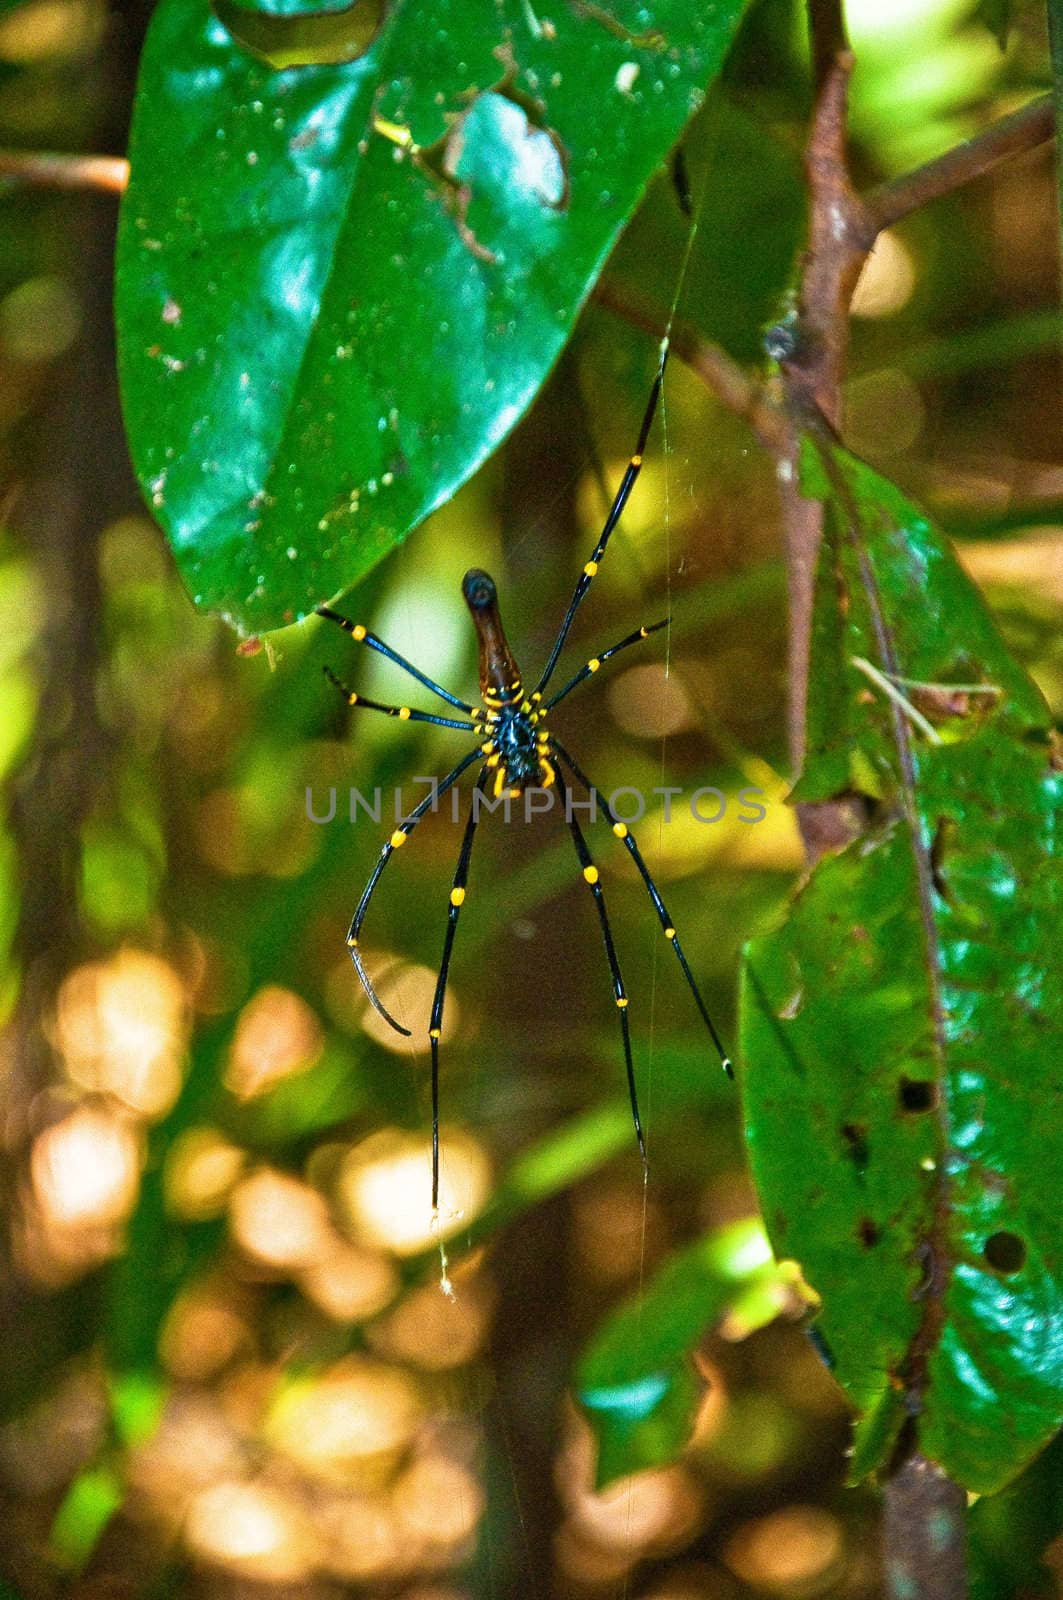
(45, 169)
(717, 370)
(1032, 125)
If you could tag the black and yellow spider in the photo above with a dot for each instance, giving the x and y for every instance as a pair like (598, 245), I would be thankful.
(517, 751)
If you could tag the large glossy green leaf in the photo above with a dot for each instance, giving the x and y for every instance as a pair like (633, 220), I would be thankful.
(902, 1030)
(635, 1382)
(322, 335)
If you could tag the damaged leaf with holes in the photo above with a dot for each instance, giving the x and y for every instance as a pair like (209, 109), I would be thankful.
(902, 1030)
(353, 244)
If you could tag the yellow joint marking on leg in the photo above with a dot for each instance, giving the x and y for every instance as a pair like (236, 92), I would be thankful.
(620, 829)
(547, 773)
(433, 1033)
(636, 461)
(669, 933)
(644, 633)
(398, 839)
(404, 713)
(457, 896)
(485, 749)
(590, 569)
(352, 698)
(537, 696)
(358, 632)
(621, 1001)
(593, 664)
(493, 760)
(525, 705)
(351, 941)
(591, 874)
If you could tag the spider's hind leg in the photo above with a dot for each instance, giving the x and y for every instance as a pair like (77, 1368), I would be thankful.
(623, 832)
(591, 878)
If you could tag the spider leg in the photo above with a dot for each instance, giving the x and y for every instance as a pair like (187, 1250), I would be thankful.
(631, 473)
(590, 877)
(397, 839)
(406, 713)
(623, 832)
(457, 897)
(363, 636)
(598, 661)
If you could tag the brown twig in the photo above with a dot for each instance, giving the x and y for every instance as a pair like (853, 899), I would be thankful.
(45, 169)
(718, 371)
(1032, 125)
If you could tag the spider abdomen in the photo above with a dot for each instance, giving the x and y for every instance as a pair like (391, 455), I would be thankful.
(517, 749)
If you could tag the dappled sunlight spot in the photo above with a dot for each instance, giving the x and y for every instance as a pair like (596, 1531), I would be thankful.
(647, 1512)
(616, 1228)
(277, 1034)
(362, 1538)
(1033, 561)
(708, 1419)
(796, 1551)
(121, 1027)
(253, 1530)
(888, 278)
(201, 1335)
(687, 843)
(654, 1511)
(194, 1446)
(278, 1220)
(650, 702)
(754, 1437)
(349, 1426)
(201, 1170)
(349, 1284)
(385, 1188)
(407, 990)
(54, 1437)
(439, 1503)
(85, 1170)
(586, 1563)
(884, 412)
(642, 523)
(39, 319)
(435, 1331)
(49, 30)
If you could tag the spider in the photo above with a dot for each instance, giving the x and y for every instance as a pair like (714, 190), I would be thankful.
(517, 751)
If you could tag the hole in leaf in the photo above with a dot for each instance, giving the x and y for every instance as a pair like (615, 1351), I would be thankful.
(855, 1136)
(303, 37)
(916, 1094)
(868, 1232)
(1005, 1252)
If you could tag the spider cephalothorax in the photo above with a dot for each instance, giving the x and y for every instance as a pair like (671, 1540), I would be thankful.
(516, 742)
(516, 752)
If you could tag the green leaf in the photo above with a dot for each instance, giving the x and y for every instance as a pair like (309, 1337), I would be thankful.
(322, 334)
(902, 1030)
(84, 1513)
(1008, 1533)
(942, 630)
(635, 1382)
(749, 202)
